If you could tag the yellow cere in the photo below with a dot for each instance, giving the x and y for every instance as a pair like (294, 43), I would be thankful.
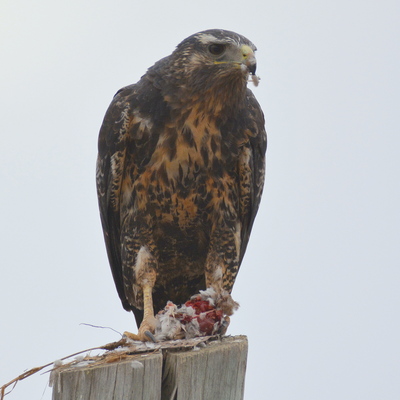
(246, 51)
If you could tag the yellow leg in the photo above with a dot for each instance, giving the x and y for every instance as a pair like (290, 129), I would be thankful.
(148, 325)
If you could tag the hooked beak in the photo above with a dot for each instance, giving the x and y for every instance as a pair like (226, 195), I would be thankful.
(249, 59)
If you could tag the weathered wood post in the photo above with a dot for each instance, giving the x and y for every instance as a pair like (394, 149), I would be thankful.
(212, 370)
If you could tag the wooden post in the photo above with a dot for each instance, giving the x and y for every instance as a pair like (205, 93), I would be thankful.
(211, 370)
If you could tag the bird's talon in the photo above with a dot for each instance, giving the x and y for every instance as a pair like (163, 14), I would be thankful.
(150, 336)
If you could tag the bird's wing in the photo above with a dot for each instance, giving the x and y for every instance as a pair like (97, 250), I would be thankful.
(127, 139)
(111, 163)
(251, 169)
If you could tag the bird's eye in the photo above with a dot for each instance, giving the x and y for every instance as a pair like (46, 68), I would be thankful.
(216, 49)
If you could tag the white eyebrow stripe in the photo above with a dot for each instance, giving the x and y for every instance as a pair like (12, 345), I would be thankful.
(206, 38)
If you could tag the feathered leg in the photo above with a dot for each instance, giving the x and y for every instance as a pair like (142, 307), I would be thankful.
(222, 265)
(145, 279)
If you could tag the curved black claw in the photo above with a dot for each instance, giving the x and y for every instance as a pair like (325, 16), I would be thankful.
(150, 336)
(224, 326)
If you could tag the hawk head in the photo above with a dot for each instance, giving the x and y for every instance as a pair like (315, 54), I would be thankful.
(223, 50)
(211, 66)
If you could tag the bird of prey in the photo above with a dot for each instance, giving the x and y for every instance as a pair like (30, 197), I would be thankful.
(180, 172)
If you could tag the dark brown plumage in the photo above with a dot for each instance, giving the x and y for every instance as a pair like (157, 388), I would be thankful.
(180, 173)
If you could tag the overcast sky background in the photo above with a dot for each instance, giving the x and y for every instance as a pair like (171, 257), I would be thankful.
(319, 286)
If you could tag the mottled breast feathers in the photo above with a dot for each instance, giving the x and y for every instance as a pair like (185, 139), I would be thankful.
(180, 171)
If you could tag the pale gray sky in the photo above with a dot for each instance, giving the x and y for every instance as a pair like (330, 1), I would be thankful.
(319, 286)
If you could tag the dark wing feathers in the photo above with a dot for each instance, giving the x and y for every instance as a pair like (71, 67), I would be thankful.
(109, 174)
(125, 147)
(252, 174)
